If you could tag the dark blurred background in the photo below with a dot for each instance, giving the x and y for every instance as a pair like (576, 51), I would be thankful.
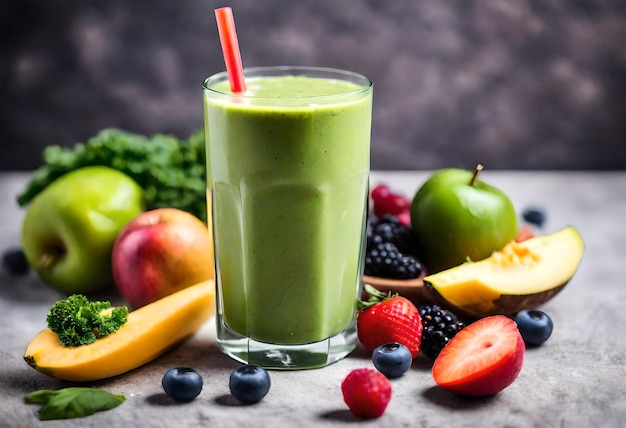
(511, 84)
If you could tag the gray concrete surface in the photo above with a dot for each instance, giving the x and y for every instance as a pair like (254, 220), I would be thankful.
(577, 379)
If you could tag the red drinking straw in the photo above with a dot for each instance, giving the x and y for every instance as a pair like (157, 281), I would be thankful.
(230, 48)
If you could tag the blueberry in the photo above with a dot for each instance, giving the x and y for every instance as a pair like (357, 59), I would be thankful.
(535, 326)
(392, 359)
(534, 216)
(182, 383)
(249, 383)
(15, 262)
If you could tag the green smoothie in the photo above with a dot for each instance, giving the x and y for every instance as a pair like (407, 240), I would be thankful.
(290, 172)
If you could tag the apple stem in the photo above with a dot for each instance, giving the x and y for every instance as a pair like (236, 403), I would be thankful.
(46, 261)
(479, 168)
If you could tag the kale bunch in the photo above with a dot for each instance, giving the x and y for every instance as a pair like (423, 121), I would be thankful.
(171, 172)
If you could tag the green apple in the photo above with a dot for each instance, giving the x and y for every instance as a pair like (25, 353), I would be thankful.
(457, 217)
(69, 228)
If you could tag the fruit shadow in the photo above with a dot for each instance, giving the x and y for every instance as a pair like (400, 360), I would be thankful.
(201, 353)
(162, 399)
(27, 289)
(450, 400)
(422, 364)
(340, 415)
(228, 400)
(360, 353)
(27, 381)
(30, 290)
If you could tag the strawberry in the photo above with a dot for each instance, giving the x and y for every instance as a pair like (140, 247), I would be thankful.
(366, 392)
(388, 318)
(482, 359)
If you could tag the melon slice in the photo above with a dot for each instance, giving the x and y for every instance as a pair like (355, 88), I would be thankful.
(149, 332)
(521, 275)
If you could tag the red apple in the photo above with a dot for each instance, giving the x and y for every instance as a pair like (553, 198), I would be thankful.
(160, 252)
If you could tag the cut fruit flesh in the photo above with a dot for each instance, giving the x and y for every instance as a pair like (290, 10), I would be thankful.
(149, 332)
(481, 359)
(522, 274)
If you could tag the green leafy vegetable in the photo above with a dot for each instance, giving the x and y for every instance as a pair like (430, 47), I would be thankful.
(172, 172)
(77, 321)
(74, 402)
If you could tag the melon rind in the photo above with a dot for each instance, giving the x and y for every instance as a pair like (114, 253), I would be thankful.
(521, 275)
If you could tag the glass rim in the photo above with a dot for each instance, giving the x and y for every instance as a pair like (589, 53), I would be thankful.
(365, 84)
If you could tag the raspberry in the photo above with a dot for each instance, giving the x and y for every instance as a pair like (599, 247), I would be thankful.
(439, 326)
(366, 392)
(405, 217)
(380, 193)
(387, 202)
(383, 259)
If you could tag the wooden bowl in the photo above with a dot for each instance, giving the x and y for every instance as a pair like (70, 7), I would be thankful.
(412, 289)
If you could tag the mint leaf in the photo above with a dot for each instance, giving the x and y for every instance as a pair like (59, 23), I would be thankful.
(74, 402)
(39, 397)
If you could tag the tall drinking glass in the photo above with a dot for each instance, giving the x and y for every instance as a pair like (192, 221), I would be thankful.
(288, 186)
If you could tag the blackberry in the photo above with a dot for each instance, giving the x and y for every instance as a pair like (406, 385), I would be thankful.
(439, 326)
(383, 259)
(389, 229)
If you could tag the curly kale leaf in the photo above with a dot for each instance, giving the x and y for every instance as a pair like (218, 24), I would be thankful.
(77, 321)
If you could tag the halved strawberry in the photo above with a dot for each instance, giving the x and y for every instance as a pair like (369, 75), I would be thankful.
(482, 359)
(388, 318)
(367, 392)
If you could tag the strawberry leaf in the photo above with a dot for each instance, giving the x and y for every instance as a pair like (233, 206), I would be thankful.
(375, 296)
